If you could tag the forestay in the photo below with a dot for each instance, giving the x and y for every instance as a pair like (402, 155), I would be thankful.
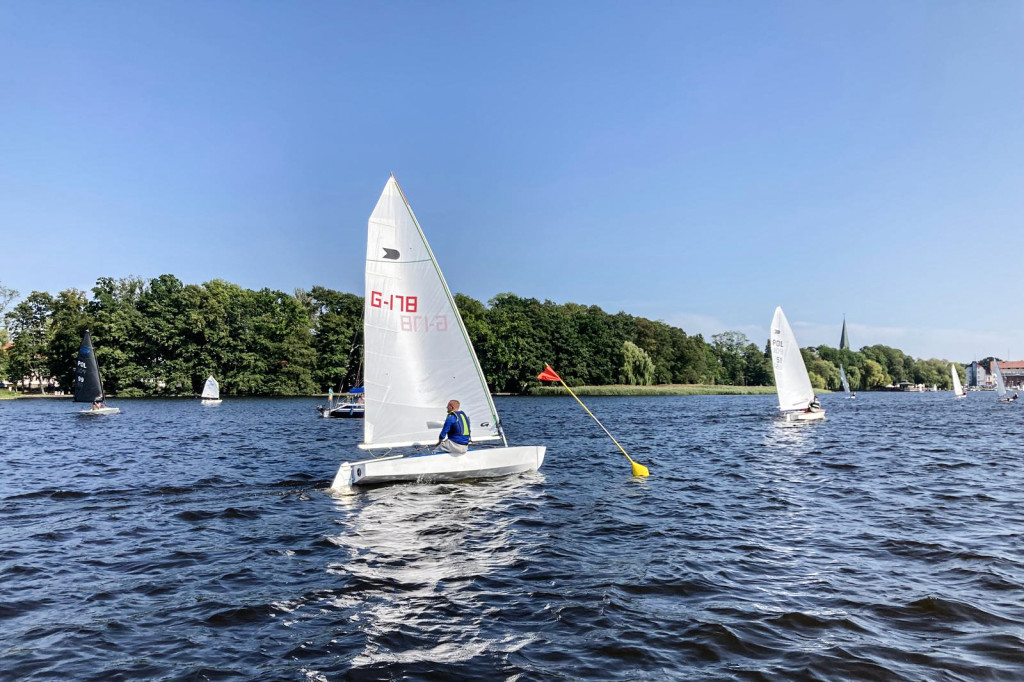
(792, 383)
(211, 391)
(418, 355)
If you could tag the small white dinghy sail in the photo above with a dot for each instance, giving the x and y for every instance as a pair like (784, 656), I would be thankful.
(842, 377)
(418, 356)
(792, 382)
(88, 385)
(1000, 384)
(211, 392)
(958, 389)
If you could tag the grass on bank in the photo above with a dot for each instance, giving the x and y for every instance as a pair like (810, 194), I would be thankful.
(7, 395)
(663, 389)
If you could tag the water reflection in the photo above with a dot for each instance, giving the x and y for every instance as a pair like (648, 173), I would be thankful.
(420, 555)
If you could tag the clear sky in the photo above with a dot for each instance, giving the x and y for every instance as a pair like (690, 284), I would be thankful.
(695, 162)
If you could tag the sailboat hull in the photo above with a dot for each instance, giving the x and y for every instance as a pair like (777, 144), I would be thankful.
(343, 411)
(805, 416)
(440, 467)
(99, 412)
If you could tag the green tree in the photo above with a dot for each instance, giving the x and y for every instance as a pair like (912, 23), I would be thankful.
(68, 321)
(29, 325)
(758, 366)
(337, 332)
(637, 366)
(875, 375)
(729, 348)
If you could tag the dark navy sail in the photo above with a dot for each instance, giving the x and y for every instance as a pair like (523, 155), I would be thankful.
(87, 373)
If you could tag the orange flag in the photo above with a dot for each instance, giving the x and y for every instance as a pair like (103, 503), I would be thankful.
(548, 374)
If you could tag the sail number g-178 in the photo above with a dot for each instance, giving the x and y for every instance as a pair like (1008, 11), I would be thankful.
(403, 304)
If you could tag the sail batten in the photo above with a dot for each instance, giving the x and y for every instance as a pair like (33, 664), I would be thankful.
(417, 352)
(792, 382)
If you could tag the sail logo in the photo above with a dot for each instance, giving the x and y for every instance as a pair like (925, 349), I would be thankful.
(83, 351)
(391, 254)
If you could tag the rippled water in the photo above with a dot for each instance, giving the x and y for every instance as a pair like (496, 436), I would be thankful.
(175, 541)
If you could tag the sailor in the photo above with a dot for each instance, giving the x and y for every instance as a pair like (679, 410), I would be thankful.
(814, 405)
(454, 436)
(97, 404)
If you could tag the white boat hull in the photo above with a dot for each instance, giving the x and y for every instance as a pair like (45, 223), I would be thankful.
(211, 401)
(438, 467)
(343, 411)
(805, 416)
(101, 411)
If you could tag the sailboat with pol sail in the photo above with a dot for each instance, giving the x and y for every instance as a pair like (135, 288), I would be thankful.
(418, 357)
(792, 383)
(88, 385)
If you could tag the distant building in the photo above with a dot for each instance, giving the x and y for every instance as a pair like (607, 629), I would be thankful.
(977, 375)
(844, 340)
(1013, 374)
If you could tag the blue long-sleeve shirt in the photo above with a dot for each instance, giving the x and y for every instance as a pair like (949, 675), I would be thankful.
(456, 428)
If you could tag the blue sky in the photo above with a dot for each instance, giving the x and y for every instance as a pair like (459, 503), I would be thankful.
(695, 162)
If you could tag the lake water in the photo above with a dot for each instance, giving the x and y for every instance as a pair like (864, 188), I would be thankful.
(181, 542)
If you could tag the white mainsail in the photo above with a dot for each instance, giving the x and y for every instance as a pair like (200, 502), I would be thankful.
(211, 391)
(1000, 386)
(417, 352)
(842, 377)
(792, 383)
(958, 389)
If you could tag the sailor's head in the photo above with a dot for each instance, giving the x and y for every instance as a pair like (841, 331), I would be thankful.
(98, 399)
(453, 405)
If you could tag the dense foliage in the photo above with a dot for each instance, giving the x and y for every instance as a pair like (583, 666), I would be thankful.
(163, 337)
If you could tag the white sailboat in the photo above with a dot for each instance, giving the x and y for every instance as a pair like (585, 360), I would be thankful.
(418, 356)
(792, 383)
(846, 382)
(211, 392)
(958, 389)
(1000, 384)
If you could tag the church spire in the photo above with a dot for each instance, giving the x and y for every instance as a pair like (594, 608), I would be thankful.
(844, 340)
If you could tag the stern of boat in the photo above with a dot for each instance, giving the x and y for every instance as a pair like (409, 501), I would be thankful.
(805, 416)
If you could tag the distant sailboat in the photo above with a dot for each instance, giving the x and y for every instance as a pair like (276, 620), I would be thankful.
(958, 389)
(211, 392)
(418, 356)
(349, 405)
(88, 385)
(846, 383)
(792, 382)
(1000, 384)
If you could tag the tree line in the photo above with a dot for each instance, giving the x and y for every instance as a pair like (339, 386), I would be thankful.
(163, 337)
